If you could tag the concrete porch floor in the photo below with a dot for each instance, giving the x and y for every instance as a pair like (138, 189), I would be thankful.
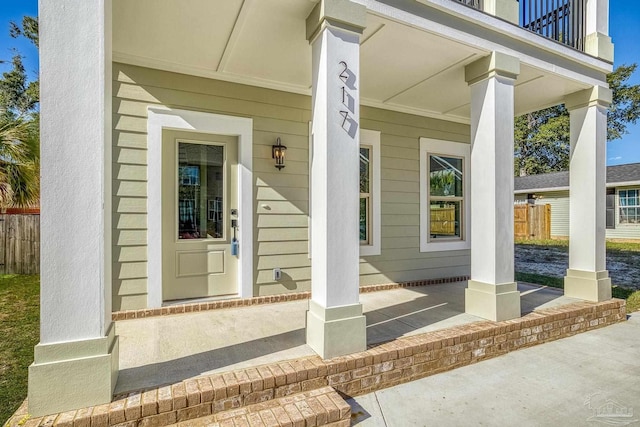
(167, 349)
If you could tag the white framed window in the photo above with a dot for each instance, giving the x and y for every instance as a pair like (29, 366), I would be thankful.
(444, 195)
(370, 208)
(629, 206)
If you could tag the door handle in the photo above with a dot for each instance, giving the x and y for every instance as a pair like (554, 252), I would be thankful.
(235, 245)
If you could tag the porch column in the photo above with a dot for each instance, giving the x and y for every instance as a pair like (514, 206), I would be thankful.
(597, 41)
(335, 323)
(509, 10)
(587, 277)
(492, 292)
(76, 361)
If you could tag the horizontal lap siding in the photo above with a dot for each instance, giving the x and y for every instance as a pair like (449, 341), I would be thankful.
(623, 231)
(281, 197)
(401, 259)
(282, 208)
(559, 201)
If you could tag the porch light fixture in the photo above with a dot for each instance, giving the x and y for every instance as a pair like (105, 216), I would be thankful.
(277, 153)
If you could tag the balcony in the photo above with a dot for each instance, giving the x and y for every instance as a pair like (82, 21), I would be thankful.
(559, 20)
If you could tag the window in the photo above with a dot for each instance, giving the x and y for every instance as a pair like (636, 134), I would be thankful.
(200, 191)
(444, 195)
(370, 230)
(629, 202)
(365, 195)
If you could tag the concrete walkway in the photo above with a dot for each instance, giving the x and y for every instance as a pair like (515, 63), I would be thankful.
(563, 383)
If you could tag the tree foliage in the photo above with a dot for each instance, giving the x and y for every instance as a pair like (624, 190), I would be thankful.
(28, 28)
(19, 163)
(542, 141)
(542, 138)
(18, 96)
(625, 108)
(19, 127)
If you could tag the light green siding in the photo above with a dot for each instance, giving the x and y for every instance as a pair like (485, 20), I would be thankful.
(623, 231)
(281, 197)
(559, 201)
(401, 259)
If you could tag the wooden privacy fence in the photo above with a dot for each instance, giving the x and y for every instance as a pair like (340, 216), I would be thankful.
(443, 221)
(532, 221)
(19, 244)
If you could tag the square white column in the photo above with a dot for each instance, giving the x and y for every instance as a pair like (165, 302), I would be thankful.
(492, 292)
(587, 277)
(596, 29)
(335, 323)
(76, 361)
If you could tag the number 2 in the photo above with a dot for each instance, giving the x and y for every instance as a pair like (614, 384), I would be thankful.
(344, 76)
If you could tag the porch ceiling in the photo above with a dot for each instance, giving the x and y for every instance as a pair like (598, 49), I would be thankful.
(262, 42)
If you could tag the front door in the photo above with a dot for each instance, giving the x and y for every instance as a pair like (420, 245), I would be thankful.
(199, 202)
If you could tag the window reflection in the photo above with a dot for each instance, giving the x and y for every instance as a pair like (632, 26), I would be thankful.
(200, 191)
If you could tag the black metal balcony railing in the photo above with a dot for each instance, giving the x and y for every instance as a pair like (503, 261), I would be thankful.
(477, 4)
(560, 20)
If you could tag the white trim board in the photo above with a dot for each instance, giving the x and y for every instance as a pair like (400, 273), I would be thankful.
(166, 118)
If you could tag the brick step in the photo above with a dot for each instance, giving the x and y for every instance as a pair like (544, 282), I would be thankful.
(320, 407)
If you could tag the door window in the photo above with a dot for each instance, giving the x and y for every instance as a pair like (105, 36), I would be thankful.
(200, 191)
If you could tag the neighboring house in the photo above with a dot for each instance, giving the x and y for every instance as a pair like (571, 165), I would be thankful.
(622, 199)
(163, 125)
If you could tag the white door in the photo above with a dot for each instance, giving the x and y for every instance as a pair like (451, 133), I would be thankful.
(199, 202)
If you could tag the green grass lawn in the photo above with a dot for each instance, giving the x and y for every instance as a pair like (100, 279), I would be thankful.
(611, 246)
(19, 332)
(620, 248)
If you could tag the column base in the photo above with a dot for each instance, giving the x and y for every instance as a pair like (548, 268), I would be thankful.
(72, 375)
(588, 285)
(492, 302)
(599, 45)
(336, 331)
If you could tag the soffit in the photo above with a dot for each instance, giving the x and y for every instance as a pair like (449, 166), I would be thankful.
(262, 42)
(191, 32)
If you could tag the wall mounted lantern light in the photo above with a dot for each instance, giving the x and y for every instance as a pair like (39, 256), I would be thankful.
(277, 153)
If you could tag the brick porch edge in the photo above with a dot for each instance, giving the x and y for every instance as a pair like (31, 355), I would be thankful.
(245, 302)
(395, 362)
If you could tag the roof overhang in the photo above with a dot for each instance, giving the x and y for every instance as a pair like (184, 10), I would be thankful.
(412, 54)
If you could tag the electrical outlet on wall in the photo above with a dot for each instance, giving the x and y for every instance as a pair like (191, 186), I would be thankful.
(277, 274)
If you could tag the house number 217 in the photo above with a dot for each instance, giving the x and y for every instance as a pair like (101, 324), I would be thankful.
(348, 101)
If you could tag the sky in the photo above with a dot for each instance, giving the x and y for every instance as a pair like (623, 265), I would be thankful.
(624, 29)
(14, 10)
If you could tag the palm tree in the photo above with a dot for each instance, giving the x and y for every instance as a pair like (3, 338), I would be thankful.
(19, 162)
